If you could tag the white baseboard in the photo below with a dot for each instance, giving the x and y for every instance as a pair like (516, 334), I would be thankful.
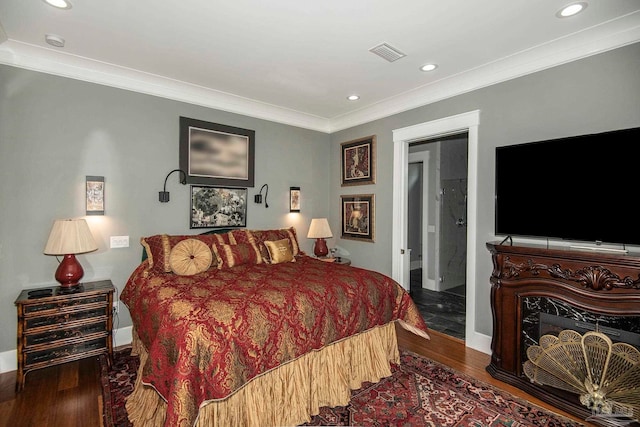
(430, 284)
(9, 359)
(478, 341)
(122, 336)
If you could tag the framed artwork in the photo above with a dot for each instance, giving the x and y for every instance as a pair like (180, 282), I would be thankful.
(215, 207)
(359, 161)
(358, 217)
(294, 199)
(95, 195)
(215, 154)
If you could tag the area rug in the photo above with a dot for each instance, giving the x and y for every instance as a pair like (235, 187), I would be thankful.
(420, 392)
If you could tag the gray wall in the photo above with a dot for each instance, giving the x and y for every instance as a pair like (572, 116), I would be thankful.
(591, 95)
(54, 131)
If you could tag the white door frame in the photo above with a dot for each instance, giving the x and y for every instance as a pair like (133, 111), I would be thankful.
(469, 122)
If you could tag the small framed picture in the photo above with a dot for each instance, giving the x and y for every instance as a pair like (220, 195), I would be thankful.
(95, 195)
(358, 217)
(359, 161)
(214, 207)
(215, 154)
(294, 199)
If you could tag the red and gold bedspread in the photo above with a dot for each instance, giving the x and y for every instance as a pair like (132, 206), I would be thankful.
(208, 335)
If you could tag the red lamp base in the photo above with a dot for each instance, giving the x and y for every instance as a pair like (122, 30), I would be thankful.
(69, 272)
(320, 248)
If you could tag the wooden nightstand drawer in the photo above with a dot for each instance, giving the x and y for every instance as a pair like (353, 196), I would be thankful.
(66, 318)
(57, 325)
(65, 352)
(63, 305)
(52, 337)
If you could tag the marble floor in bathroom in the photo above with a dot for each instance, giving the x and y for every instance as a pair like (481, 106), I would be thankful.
(442, 311)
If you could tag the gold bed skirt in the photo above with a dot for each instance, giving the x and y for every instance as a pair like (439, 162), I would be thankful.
(287, 395)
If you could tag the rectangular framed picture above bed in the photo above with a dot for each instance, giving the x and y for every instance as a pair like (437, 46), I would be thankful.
(215, 154)
(216, 207)
(358, 217)
(358, 161)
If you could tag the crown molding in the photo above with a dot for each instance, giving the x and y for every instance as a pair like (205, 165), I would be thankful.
(601, 38)
(598, 39)
(50, 61)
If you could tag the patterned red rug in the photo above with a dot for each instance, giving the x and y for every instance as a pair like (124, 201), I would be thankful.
(420, 392)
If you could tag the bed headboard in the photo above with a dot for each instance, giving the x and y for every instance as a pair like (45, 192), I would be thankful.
(216, 231)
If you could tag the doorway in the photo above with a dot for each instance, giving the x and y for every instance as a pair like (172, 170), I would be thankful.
(402, 137)
(437, 230)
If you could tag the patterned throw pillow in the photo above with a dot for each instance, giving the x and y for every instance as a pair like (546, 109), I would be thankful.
(189, 257)
(159, 247)
(280, 251)
(261, 236)
(245, 237)
(218, 241)
(240, 254)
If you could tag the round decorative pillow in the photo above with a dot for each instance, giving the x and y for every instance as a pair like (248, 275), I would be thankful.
(190, 257)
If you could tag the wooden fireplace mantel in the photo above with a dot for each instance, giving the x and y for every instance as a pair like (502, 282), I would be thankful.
(601, 283)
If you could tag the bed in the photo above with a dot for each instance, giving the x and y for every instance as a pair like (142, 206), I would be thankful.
(255, 332)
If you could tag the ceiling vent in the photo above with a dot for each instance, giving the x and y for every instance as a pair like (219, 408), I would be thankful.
(388, 52)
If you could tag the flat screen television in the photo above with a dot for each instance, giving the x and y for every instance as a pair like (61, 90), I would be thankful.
(583, 188)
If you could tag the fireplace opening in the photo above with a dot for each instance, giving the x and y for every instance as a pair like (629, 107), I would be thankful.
(552, 324)
(559, 315)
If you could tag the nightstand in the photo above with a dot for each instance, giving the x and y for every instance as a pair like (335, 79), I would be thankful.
(57, 325)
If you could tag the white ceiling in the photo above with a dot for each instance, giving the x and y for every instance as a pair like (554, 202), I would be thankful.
(296, 61)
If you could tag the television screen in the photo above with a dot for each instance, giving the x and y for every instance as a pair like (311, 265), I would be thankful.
(583, 188)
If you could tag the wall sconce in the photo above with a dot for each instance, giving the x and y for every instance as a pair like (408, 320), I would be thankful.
(258, 197)
(163, 196)
(294, 199)
(95, 195)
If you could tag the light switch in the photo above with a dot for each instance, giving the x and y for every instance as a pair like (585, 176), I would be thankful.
(119, 242)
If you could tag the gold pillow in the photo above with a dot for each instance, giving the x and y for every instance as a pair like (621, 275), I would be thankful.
(190, 257)
(280, 251)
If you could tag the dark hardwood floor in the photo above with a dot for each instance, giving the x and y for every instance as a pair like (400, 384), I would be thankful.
(70, 395)
(59, 396)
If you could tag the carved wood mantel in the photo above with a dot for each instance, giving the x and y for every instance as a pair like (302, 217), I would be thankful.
(600, 283)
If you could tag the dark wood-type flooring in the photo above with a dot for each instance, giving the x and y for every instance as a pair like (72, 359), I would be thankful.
(70, 395)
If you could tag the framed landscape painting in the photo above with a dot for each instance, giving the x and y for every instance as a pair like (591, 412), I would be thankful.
(358, 217)
(214, 207)
(215, 154)
(358, 161)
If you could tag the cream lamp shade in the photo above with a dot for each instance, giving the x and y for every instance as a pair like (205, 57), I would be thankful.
(319, 230)
(69, 237)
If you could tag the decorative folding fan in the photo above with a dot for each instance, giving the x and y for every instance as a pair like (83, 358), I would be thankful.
(605, 375)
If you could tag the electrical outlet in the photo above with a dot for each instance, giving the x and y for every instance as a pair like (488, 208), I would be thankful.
(119, 242)
(116, 307)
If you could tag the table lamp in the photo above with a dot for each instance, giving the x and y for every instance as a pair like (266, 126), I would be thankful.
(320, 230)
(67, 238)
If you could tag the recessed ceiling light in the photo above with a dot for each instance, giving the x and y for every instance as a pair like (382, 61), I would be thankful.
(571, 9)
(353, 97)
(428, 67)
(54, 40)
(60, 4)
